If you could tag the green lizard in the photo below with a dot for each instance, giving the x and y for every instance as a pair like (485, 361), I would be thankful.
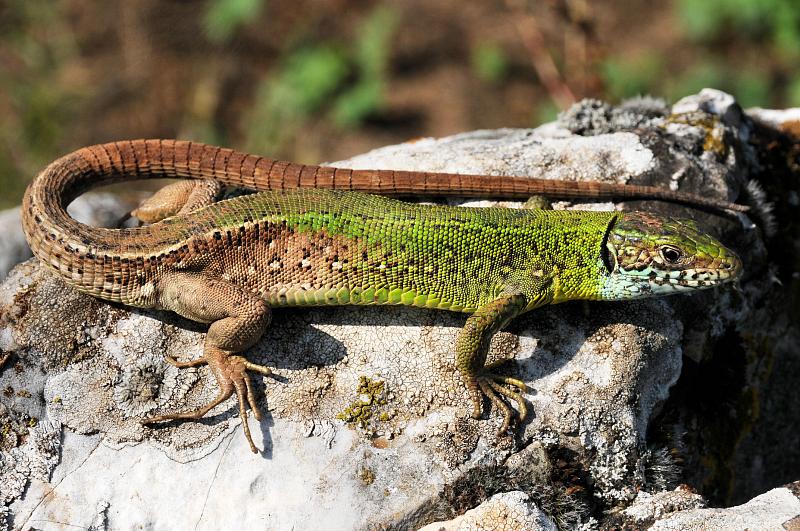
(228, 263)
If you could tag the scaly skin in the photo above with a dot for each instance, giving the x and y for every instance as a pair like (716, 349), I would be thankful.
(228, 263)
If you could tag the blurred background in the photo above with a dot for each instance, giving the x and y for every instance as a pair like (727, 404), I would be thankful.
(324, 80)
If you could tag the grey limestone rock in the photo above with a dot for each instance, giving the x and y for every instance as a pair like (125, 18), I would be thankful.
(508, 511)
(366, 424)
(777, 509)
(13, 247)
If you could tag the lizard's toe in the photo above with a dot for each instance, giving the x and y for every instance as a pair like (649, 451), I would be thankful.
(491, 385)
(185, 364)
(238, 367)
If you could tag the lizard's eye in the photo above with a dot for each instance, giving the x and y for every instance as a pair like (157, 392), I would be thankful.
(670, 254)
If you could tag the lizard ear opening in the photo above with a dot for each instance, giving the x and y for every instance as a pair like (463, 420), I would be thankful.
(605, 251)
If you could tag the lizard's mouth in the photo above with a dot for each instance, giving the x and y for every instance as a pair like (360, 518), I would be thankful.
(683, 279)
(645, 282)
(726, 271)
(691, 278)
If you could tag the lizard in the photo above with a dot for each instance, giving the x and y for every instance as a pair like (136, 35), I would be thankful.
(312, 236)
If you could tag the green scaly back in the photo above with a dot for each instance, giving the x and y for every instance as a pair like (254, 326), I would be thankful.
(313, 247)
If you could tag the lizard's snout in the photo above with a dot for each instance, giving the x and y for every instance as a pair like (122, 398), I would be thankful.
(727, 266)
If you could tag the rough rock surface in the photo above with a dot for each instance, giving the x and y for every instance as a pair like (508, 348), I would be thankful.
(678, 510)
(647, 508)
(777, 509)
(508, 511)
(13, 247)
(366, 423)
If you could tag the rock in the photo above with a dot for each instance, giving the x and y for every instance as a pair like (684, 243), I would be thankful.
(783, 119)
(763, 452)
(366, 425)
(647, 508)
(13, 247)
(777, 509)
(714, 102)
(509, 511)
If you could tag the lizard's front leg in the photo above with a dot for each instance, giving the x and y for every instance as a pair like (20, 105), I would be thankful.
(238, 319)
(471, 349)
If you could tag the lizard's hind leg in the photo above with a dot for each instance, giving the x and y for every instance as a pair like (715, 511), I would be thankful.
(178, 198)
(238, 319)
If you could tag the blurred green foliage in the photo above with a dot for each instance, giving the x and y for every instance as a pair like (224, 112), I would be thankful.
(370, 63)
(773, 26)
(632, 77)
(546, 112)
(292, 93)
(489, 62)
(646, 75)
(345, 82)
(793, 90)
(737, 43)
(224, 17)
(777, 21)
(35, 105)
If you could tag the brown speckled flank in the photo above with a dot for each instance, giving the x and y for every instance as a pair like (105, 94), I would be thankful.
(228, 263)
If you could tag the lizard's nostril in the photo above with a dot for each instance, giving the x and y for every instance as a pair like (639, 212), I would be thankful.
(734, 264)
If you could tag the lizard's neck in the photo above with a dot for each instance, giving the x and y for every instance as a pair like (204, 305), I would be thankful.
(580, 272)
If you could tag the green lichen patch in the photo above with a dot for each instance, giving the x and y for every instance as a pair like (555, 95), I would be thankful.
(365, 411)
(14, 428)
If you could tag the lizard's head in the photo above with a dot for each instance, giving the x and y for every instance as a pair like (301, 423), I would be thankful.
(647, 255)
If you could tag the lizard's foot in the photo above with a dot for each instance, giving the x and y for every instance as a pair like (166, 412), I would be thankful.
(491, 385)
(231, 374)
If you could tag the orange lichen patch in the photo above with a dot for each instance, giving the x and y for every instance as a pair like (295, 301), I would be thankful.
(380, 442)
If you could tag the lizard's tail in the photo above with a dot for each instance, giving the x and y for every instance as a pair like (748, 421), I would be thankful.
(141, 159)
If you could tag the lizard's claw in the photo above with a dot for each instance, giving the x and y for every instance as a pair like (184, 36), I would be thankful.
(491, 385)
(231, 374)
